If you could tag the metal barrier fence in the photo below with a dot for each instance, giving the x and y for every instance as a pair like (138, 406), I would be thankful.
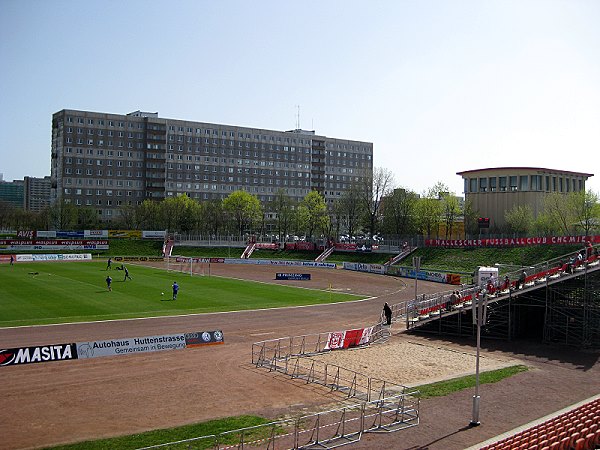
(325, 430)
(308, 344)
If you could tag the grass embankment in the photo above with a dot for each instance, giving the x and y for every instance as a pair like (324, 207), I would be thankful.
(467, 260)
(215, 427)
(432, 258)
(447, 387)
(212, 427)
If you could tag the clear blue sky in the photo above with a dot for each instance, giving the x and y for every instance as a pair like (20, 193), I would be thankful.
(438, 86)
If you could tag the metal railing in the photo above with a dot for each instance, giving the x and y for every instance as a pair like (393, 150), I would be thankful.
(328, 429)
(432, 305)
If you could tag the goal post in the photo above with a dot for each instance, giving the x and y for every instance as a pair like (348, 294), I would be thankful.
(186, 264)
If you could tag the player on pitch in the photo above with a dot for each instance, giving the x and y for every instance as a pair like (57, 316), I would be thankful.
(175, 290)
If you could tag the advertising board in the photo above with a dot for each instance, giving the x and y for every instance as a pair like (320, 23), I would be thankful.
(292, 276)
(37, 354)
(200, 338)
(125, 346)
(52, 257)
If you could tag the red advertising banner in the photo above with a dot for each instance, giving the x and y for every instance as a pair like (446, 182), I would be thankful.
(349, 338)
(513, 242)
(53, 242)
(265, 246)
(300, 246)
(352, 338)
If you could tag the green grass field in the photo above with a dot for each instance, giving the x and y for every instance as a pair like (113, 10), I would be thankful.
(47, 293)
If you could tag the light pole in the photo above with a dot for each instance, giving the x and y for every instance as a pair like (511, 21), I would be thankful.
(479, 317)
(416, 266)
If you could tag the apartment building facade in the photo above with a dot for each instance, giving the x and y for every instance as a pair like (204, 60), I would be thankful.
(106, 161)
(36, 193)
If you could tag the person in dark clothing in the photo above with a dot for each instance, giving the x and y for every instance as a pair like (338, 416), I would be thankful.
(387, 312)
(109, 264)
(175, 290)
(522, 278)
(126, 274)
(108, 283)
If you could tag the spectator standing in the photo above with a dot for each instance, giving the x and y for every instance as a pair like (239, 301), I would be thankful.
(387, 312)
(522, 278)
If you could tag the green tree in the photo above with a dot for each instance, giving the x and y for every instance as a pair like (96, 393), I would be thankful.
(450, 210)
(312, 213)
(244, 209)
(283, 207)
(559, 209)
(87, 218)
(429, 210)
(586, 209)
(212, 217)
(470, 216)
(63, 216)
(399, 212)
(519, 219)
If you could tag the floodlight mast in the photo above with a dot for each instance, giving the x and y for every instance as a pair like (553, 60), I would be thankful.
(479, 318)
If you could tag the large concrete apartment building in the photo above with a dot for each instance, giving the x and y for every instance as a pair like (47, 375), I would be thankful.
(105, 161)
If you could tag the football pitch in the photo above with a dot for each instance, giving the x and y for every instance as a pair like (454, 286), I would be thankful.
(50, 293)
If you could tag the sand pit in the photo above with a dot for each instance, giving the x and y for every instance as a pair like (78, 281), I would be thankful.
(410, 361)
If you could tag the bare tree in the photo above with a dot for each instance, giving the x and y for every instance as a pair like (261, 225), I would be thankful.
(372, 193)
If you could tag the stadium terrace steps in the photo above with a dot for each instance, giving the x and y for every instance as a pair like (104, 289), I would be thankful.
(441, 305)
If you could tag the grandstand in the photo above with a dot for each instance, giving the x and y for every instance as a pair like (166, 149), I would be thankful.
(556, 302)
(576, 428)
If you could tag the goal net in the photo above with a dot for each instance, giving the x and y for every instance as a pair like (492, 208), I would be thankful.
(185, 265)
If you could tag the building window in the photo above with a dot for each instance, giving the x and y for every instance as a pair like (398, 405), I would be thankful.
(523, 183)
(513, 183)
(483, 184)
(492, 182)
(473, 185)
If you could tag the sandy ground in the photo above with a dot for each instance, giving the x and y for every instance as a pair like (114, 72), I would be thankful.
(408, 361)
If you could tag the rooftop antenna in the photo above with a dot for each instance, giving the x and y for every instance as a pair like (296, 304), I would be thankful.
(297, 117)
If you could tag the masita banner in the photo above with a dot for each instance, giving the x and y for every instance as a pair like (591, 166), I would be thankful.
(127, 346)
(37, 354)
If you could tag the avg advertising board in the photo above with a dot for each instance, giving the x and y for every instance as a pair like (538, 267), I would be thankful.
(109, 347)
